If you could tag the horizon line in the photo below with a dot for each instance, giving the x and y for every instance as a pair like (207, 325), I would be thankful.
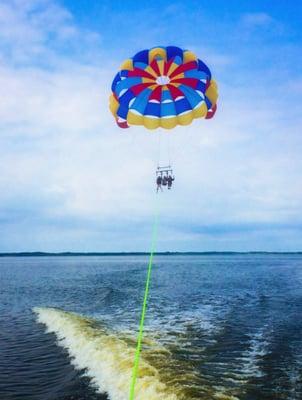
(135, 253)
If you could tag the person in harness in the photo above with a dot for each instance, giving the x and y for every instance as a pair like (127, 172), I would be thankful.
(165, 180)
(170, 179)
(159, 181)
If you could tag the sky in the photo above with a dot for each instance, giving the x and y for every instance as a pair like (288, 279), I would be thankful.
(71, 180)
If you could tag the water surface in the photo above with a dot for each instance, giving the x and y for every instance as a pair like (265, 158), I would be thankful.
(217, 327)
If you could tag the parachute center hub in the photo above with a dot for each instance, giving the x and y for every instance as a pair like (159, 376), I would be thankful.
(163, 80)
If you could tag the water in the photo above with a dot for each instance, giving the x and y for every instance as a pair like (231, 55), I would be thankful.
(217, 327)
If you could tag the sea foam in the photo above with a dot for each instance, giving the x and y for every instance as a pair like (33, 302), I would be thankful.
(107, 359)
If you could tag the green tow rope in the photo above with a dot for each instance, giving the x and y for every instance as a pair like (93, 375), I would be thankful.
(142, 320)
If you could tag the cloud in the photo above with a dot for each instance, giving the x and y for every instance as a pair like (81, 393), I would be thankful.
(27, 25)
(42, 32)
(256, 19)
(263, 23)
(40, 102)
(71, 180)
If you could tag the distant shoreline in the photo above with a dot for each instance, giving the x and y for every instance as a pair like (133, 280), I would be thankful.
(163, 253)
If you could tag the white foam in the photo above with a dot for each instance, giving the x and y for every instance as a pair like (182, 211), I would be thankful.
(258, 348)
(107, 358)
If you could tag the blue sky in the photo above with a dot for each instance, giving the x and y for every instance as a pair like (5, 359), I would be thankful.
(71, 180)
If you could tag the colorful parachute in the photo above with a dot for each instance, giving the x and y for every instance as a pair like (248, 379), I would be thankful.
(162, 87)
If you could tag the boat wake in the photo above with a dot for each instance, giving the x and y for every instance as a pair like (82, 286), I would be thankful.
(107, 358)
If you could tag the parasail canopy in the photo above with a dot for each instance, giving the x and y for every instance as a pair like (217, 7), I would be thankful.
(161, 88)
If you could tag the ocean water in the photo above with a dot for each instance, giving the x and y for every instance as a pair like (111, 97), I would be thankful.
(220, 327)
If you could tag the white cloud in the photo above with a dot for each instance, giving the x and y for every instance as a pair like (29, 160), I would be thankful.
(40, 102)
(256, 19)
(62, 158)
(41, 32)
